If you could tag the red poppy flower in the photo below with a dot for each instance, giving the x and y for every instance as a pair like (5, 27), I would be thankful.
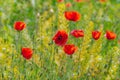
(60, 38)
(96, 35)
(69, 49)
(68, 4)
(19, 25)
(60, 0)
(110, 35)
(72, 15)
(27, 53)
(77, 33)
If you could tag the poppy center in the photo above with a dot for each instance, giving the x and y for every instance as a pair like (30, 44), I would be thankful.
(59, 37)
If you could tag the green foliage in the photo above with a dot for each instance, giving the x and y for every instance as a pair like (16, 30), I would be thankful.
(49, 62)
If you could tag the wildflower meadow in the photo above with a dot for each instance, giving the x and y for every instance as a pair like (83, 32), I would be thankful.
(59, 39)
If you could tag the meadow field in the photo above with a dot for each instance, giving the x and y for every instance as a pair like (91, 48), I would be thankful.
(59, 39)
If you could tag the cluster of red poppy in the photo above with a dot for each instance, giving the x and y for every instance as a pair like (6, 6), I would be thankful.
(61, 37)
(26, 52)
(75, 16)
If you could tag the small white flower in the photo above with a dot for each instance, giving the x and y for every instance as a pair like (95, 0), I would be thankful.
(38, 14)
(51, 10)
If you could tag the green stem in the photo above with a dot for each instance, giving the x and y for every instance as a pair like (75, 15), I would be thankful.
(19, 50)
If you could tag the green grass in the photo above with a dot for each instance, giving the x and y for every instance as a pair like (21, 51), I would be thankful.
(49, 62)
